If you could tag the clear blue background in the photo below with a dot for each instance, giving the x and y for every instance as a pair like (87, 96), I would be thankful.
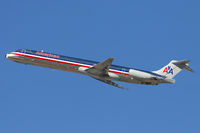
(142, 34)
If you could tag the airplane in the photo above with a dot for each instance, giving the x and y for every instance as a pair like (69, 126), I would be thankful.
(103, 71)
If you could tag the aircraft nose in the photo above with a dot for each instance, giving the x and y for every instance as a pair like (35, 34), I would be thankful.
(10, 55)
(7, 56)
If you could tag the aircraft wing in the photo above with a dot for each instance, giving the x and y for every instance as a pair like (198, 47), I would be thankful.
(110, 83)
(100, 72)
(101, 69)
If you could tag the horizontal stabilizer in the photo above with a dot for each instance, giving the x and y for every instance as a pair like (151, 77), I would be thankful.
(183, 64)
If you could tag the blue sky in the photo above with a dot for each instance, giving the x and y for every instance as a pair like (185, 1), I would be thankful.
(141, 34)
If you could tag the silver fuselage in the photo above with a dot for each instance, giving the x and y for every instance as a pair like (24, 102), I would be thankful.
(76, 65)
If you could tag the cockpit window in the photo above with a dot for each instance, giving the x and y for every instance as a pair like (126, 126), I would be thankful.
(21, 50)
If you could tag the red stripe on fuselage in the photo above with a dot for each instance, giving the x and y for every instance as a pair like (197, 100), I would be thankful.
(64, 62)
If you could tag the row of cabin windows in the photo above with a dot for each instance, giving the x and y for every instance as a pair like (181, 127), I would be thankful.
(75, 59)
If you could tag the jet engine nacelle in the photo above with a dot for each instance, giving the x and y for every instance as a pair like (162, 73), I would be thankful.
(113, 75)
(139, 74)
(82, 69)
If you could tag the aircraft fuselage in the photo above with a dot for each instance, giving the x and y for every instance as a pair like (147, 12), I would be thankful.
(71, 64)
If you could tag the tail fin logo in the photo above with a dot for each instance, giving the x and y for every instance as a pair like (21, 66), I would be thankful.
(168, 70)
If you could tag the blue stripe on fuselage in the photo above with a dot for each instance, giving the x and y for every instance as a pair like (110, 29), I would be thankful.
(73, 59)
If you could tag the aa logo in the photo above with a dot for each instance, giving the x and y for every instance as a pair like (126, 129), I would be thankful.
(168, 70)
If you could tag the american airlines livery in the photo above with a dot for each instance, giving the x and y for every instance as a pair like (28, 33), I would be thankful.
(102, 71)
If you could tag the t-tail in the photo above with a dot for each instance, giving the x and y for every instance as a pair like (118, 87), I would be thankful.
(172, 69)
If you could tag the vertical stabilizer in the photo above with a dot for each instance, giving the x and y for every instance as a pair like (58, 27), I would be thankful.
(173, 68)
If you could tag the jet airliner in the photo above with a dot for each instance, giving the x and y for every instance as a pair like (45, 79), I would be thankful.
(103, 71)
